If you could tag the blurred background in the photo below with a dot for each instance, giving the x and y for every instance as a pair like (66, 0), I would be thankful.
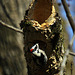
(11, 42)
(71, 5)
(12, 60)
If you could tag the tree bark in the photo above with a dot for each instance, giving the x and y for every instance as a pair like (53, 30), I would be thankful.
(12, 60)
(43, 26)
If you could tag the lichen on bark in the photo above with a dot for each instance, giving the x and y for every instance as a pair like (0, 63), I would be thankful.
(49, 36)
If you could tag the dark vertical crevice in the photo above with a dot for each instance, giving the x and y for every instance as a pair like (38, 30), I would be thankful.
(6, 13)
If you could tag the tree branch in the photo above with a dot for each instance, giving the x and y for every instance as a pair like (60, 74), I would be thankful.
(10, 27)
(72, 53)
(65, 56)
(71, 42)
(68, 14)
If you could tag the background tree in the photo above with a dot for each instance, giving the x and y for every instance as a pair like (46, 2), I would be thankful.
(12, 60)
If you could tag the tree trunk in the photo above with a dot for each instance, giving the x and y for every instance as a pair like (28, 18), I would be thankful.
(42, 25)
(12, 60)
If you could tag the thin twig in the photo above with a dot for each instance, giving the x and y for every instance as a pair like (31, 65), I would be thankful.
(71, 42)
(72, 53)
(10, 27)
(65, 56)
(68, 14)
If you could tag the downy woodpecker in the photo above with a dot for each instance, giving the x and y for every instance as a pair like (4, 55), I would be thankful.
(40, 55)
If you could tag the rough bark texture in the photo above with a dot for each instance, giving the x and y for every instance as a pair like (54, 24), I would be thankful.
(43, 26)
